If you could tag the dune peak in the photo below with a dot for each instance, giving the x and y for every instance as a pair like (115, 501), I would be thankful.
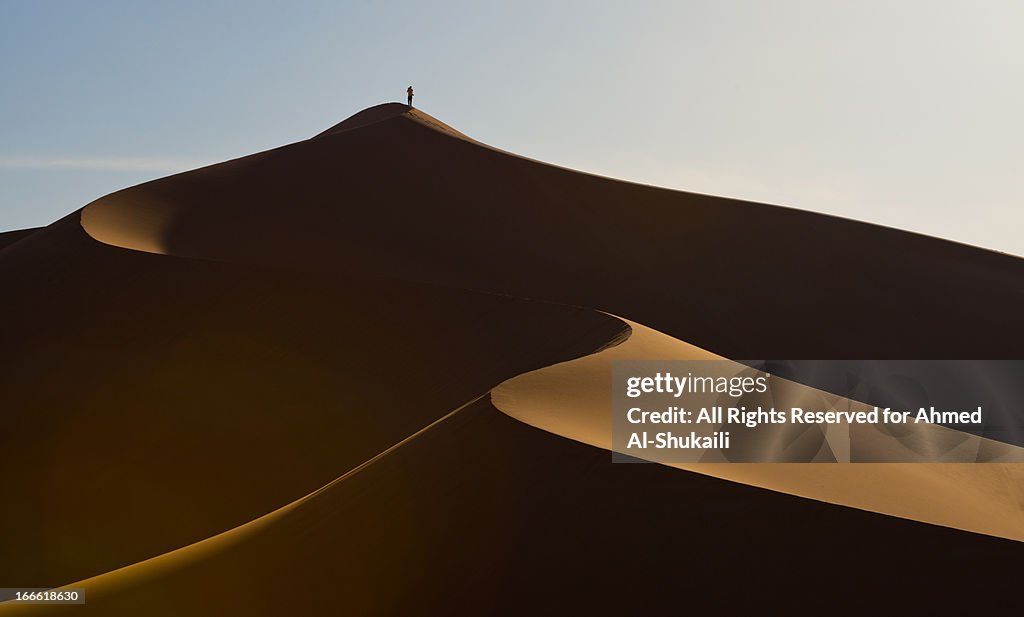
(388, 111)
(370, 115)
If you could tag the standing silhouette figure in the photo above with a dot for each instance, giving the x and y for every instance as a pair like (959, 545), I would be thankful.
(409, 92)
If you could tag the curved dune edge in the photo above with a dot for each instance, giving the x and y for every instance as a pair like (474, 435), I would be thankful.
(573, 400)
(125, 220)
(153, 568)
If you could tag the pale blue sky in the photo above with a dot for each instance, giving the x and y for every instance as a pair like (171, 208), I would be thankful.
(906, 113)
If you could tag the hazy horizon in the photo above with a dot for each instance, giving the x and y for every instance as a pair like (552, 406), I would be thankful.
(904, 115)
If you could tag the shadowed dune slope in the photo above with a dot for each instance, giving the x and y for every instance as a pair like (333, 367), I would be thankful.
(8, 238)
(400, 197)
(484, 515)
(149, 402)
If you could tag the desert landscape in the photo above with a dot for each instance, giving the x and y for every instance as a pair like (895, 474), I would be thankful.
(368, 373)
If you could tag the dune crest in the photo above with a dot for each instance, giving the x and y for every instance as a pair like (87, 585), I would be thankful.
(388, 111)
(573, 399)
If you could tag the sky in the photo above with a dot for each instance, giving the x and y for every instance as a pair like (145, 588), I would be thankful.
(907, 114)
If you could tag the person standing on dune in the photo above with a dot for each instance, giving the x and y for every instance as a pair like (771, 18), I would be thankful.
(409, 92)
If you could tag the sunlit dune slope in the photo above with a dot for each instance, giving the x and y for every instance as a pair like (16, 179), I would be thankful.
(484, 515)
(149, 402)
(408, 197)
(574, 399)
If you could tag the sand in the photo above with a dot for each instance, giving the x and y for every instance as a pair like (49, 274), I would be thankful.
(483, 514)
(8, 238)
(574, 399)
(157, 401)
(400, 198)
(219, 382)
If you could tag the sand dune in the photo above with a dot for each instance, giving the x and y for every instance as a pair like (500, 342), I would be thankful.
(573, 399)
(483, 514)
(156, 401)
(399, 198)
(218, 382)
